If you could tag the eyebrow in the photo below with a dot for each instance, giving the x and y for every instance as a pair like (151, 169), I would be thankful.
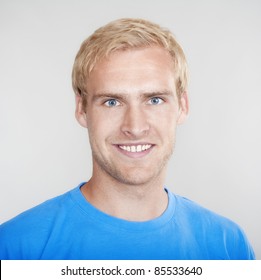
(123, 96)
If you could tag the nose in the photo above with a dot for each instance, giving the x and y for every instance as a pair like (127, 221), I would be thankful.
(135, 123)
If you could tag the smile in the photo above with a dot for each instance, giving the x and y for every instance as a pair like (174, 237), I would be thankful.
(135, 148)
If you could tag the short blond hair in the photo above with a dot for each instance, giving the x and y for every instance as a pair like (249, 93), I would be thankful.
(124, 34)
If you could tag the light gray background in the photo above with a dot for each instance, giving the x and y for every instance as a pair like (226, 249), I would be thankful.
(43, 150)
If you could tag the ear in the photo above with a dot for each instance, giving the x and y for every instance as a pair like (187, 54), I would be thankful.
(183, 108)
(80, 112)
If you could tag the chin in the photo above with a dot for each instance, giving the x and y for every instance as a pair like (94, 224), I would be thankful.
(131, 175)
(136, 177)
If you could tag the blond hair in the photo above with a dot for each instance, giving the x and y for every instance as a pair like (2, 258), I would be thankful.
(122, 34)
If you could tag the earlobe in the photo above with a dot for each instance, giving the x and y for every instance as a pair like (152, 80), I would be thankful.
(183, 108)
(80, 112)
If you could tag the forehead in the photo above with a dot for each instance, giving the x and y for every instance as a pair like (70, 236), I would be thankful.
(133, 69)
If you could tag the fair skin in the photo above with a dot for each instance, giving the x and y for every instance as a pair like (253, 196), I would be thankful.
(132, 113)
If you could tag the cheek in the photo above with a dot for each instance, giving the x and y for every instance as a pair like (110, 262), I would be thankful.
(101, 125)
(165, 117)
(166, 127)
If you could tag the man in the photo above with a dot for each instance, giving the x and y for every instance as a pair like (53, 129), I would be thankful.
(130, 81)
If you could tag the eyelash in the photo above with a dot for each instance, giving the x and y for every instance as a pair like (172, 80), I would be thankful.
(112, 99)
(117, 103)
(158, 98)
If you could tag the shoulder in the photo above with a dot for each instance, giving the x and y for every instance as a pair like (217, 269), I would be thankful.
(189, 209)
(215, 229)
(44, 211)
(32, 227)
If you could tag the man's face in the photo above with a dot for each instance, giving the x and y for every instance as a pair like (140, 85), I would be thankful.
(131, 115)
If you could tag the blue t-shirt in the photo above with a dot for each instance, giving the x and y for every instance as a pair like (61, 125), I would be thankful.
(69, 227)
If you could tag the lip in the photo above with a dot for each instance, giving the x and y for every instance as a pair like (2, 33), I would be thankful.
(140, 154)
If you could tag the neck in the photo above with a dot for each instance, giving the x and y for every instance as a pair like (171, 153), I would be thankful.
(129, 202)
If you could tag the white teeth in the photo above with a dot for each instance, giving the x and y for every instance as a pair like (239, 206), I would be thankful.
(136, 149)
(133, 149)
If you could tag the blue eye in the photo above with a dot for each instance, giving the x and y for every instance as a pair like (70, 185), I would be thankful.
(111, 103)
(155, 101)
